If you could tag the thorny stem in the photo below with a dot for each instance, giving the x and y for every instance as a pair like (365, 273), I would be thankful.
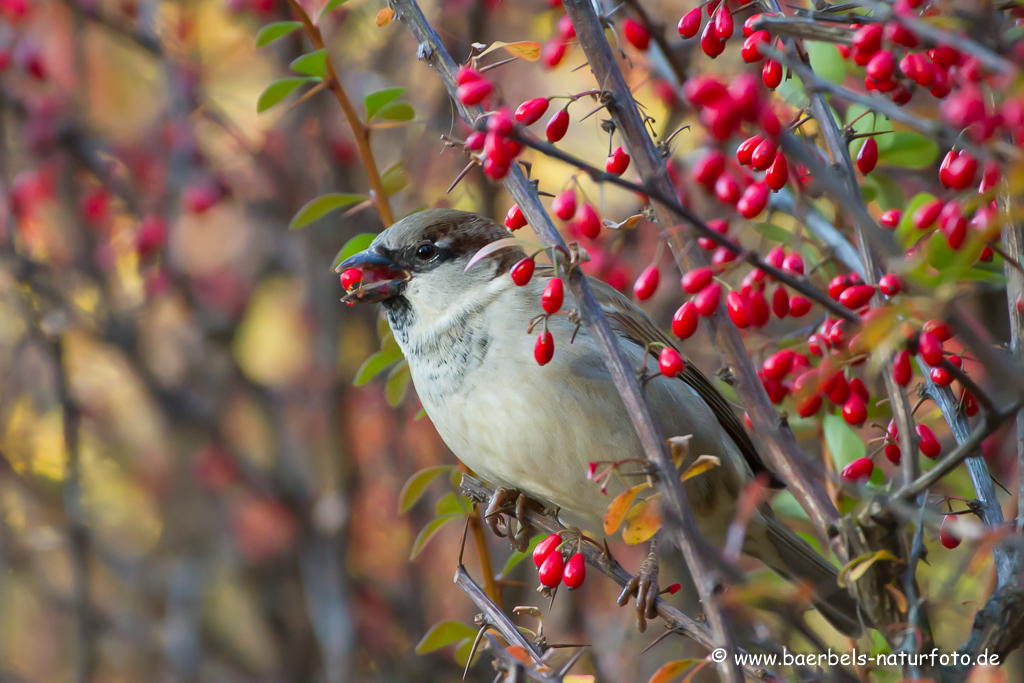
(360, 131)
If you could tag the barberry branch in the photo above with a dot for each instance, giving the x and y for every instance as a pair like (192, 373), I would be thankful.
(1013, 245)
(360, 131)
(679, 518)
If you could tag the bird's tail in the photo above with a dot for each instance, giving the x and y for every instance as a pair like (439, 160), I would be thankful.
(793, 558)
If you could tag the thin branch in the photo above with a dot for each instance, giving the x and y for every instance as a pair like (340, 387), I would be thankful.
(360, 131)
(1013, 245)
(841, 249)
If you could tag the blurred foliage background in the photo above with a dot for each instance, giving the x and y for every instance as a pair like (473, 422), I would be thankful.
(191, 488)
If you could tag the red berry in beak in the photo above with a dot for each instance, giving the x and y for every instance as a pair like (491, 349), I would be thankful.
(350, 278)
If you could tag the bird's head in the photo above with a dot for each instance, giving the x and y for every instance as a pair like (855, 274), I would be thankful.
(421, 260)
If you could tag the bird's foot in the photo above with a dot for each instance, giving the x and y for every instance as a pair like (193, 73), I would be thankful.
(644, 585)
(520, 538)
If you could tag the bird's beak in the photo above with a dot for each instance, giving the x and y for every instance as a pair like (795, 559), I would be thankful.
(382, 278)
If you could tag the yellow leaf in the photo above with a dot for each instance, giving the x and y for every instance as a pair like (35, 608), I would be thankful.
(669, 671)
(700, 466)
(617, 509)
(643, 520)
(385, 16)
(858, 566)
(897, 595)
(523, 49)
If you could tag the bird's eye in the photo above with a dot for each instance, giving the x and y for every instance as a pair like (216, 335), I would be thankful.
(426, 251)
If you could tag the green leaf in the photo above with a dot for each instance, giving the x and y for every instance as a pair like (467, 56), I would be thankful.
(427, 533)
(773, 232)
(376, 101)
(278, 90)
(331, 4)
(323, 205)
(825, 61)
(843, 443)
(908, 150)
(276, 31)
(359, 243)
(312, 64)
(869, 123)
(868, 193)
(372, 366)
(940, 256)
(792, 90)
(516, 557)
(453, 503)
(420, 415)
(442, 634)
(394, 179)
(398, 384)
(397, 111)
(414, 487)
(463, 650)
(887, 193)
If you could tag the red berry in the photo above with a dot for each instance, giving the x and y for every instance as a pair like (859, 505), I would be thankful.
(799, 306)
(962, 171)
(930, 348)
(565, 28)
(724, 23)
(753, 201)
(948, 539)
(771, 74)
(855, 296)
(777, 365)
(928, 444)
(689, 25)
(707, 299)
(554, 293)
(530, 111)
(474, 92)
(670, 363)
(809, 405)
(778, 172)
(763, 155)
(838, 389)
(648, 281)
(955, 230)
(636, 33)
(564, 205)
(901, 369)
(557, 126)
(941, 377)
(857, 386)
(794, 263)
(709, 168)
(350, 278)
(727, 190)
(881, 66)
(553, 52)
(550, 573)
(780, 302)
(868, 39)
(939, 328)
(890, 219)
(737, 308)
(889, 284)
(544, 350)
(475, 141)
(746, 149)
(617, 162)
(858, 471)
(575, 572)
(684, 322)
(151, 236)
(697, 279)
(466, 75)
(867, 156)
(545, 548)
(892, 453)
(710, 43)
(854, 410)
(748, 25)
(751, 50)
(588, 222)
(758, 308)
(515, 219)
(522, 272)
(927, 213)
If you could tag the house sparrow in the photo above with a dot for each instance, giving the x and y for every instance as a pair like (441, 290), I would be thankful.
(535, 428)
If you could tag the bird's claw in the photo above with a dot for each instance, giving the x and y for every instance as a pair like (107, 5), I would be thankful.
(520, 538)
(644, 585)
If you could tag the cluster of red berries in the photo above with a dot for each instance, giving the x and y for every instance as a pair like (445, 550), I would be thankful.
(719, 29)
(553, 570)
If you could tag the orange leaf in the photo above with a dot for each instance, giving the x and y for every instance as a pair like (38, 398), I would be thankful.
(523, 49)
(520, 653)
(385, 16)
(643, 520)
(669, 671)
(700, 466)
(617, 509)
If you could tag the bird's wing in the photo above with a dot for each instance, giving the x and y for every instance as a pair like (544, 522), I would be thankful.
(631, 322)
